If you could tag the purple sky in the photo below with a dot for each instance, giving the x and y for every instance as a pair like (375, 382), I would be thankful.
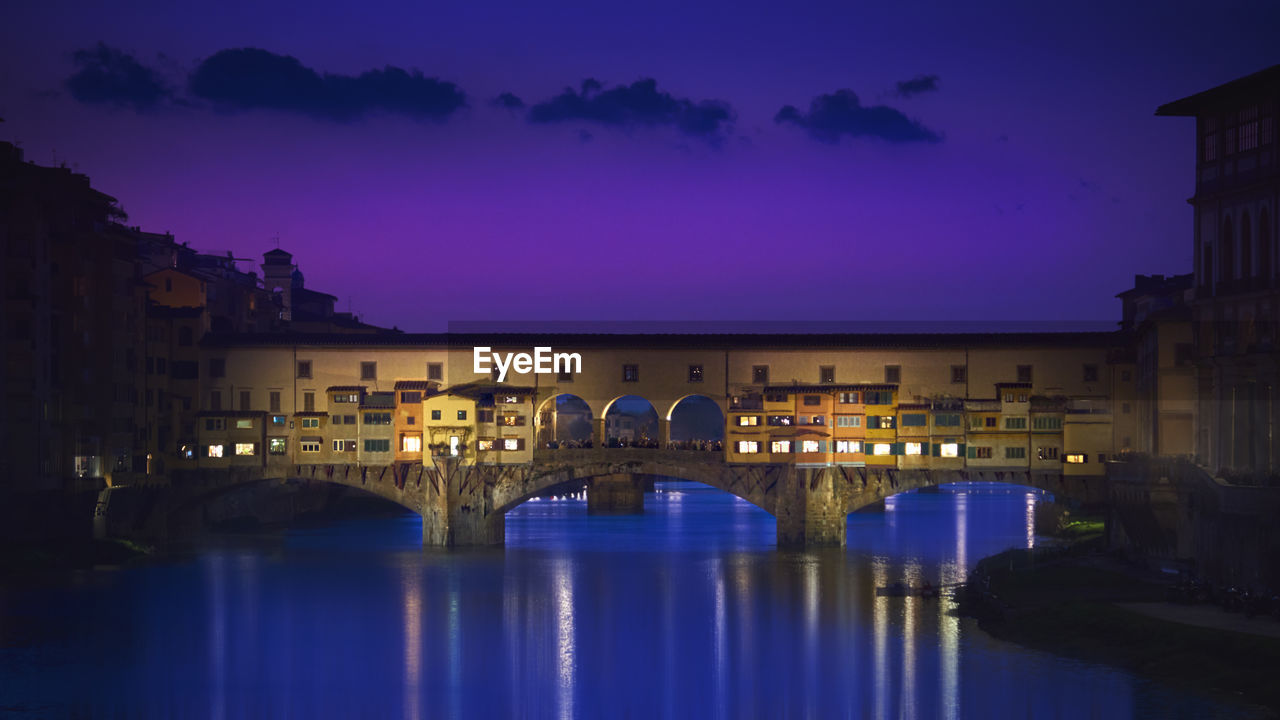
(1051, 186)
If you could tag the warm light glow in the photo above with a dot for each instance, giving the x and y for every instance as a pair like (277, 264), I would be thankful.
(485, 444)
(453, 445)
(748, 420)
(810, 446)
(1077, 459)
(880, 449)
(848, 446)
(411, 443)
(215, 451)
(244, 449)
(913, 448)
(781, 446)
(949, 450)
(510, 444)
(748, 446)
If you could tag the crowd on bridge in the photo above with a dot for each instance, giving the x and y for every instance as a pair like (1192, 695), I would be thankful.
(640, 443)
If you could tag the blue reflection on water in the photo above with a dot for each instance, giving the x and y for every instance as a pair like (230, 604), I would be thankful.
(685, 611)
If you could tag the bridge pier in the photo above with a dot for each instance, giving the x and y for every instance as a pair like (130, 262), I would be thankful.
(456, 511)
(810, 509)
(617, 494)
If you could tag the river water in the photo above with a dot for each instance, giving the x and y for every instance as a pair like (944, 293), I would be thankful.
(685, 611)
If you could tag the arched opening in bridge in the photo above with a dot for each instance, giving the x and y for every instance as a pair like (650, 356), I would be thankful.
(565, 420)
(630, 421)
(696, 422)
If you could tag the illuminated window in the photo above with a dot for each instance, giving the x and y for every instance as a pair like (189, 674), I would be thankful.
(881, 449)
(245, 449)
(243, 423)
(809, 446)
(848, 446)
(346, 398)
(913, 448)
(949, 450)
(748, 446)
(848, 397)
(1077, 458)
(882, 422)
(411, 443)
(455, 445)
(277, 420)
(311, 422)
(277, 446)
(484, 444)
(215, 451)
(813, 419)
(780, 446)
(309, 447)
(511, 443)
(748, 420)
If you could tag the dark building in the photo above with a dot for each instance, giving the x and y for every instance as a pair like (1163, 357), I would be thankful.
(1236, 295)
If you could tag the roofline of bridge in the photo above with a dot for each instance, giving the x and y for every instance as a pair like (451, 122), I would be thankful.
(714, 341)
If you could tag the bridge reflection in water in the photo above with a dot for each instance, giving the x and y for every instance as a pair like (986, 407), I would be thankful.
(687, 610)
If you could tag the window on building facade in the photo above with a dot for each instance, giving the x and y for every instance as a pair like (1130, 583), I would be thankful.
(435, 371)
(277, 446)
(217, 367)
(848, 446)
(630, 373)
(915, 419)
(881, 449)
(1047, 423)
(309, 446)
(912, 448)
(827, 374)
(781, 420)
(1047, 452)
(411, 397)
(1024, 373)
(215, 451)
(308, 402)
(1090, 373)
(881, 422)
(759, 374)
(377, 418)
(512, 443)
(304, 369)
(981, 453)
(1015, 453)
(809, 446)
(695, 373)
(215, 424)
(1015, 423)
(484, 416)
(848, 398)
(244, 449)
(748, 420)
(484, 444)
(892, 374)
(946, 420)
(310, 422)
(1249, 129)
(244, 423)
(949, 450)
(959, 373)
(848, 421)
(435, 414)
(273, 401)
(245, 400)
(368, 370)
(462, 414)
(780, 446)
(748, 446)
(277, 421)
(812, 400)
(411, 443)
(1077, 458)
(373, 445)
(215, 400)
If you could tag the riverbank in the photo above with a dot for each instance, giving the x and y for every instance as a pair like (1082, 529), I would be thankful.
(18, 558)
(1070, 601)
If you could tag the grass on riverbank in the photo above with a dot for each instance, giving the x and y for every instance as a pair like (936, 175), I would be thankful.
(1067, 606)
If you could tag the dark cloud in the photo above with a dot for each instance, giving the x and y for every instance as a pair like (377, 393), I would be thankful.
(251, 79)
(107, 76)
(638, 104)
(916, 85)
(837, 114)
(508, 101)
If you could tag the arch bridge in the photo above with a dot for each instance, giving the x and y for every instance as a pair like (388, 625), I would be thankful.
(465, 505)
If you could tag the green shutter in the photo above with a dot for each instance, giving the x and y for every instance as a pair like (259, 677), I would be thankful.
(973, 453)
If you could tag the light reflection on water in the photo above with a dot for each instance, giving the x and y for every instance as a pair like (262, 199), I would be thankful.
(686, 611)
